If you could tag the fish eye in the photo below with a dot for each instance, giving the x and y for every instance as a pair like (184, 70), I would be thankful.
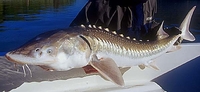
(49, 51)
(37, 49)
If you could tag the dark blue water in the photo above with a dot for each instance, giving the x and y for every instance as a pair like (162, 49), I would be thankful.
(21, 20)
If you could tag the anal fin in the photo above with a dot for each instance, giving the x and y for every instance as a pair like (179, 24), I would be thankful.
(154, 65)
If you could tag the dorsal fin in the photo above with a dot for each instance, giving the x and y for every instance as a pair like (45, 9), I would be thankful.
(161, 34)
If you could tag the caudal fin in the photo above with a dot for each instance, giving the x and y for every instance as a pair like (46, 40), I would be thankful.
(185, 26)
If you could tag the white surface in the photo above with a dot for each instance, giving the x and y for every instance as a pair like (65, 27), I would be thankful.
(136, 80)
(148, 87)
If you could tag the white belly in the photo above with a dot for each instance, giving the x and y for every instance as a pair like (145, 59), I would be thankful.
(125, 61)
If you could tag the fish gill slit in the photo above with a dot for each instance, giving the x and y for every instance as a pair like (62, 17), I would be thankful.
(88, 43)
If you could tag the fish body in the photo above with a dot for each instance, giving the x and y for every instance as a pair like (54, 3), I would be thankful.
(104, 50)
(124, 51)
(81, 43)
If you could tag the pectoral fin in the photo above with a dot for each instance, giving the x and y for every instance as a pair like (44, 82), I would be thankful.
(108, 69)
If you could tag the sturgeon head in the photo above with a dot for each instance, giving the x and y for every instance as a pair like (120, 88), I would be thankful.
(59, 51)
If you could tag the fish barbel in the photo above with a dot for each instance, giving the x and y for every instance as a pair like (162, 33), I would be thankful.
(104, 50)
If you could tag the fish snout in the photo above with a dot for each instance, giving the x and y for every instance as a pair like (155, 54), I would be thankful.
(9, 57)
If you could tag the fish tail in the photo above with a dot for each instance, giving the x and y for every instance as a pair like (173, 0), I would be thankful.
(184, 27)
